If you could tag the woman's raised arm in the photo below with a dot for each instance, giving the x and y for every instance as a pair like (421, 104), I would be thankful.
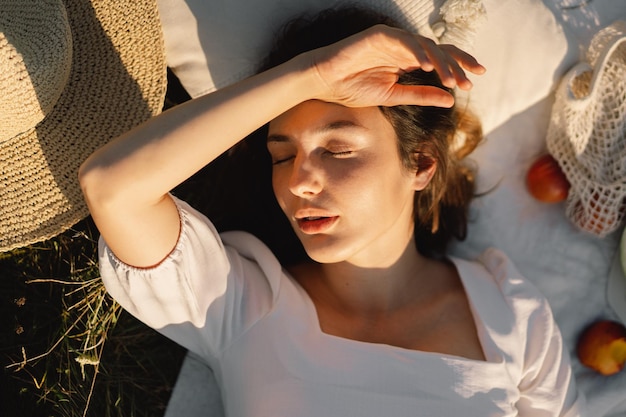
(126, 183)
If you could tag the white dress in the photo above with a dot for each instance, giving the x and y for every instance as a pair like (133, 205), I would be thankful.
(229, 301)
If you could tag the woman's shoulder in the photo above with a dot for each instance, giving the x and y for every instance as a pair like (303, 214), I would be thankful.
(500, 293)
(493, 268)
(503, 297)
(249, 249)
(247, 255)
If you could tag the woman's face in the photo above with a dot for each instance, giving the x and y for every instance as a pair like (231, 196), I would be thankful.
(338, 178)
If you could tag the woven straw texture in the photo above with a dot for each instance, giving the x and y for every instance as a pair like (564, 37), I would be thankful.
(116, 80)
(587, 134)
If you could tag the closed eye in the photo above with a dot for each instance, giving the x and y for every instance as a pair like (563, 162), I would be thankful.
(341, 154)
(282, 160)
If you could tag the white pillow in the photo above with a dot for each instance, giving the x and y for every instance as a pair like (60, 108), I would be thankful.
(213, 43)
(523, 48)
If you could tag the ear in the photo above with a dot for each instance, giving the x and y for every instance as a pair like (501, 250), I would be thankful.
(423, 175)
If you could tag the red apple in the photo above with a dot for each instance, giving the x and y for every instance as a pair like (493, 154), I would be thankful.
(546, 181)
(602, 347)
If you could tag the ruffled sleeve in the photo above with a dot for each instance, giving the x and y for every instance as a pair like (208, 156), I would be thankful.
(205, 293)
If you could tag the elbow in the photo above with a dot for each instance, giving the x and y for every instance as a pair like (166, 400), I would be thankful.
(86, 178)
(91, 178)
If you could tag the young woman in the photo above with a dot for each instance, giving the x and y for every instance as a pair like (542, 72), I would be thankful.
(365, 166)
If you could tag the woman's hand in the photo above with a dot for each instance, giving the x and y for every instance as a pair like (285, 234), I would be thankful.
(363, 70)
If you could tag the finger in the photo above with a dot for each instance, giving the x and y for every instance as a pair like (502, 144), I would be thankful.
(459, 62)
(408, 49)
(448, 71)
(423, 58)
(467, 61)
(458, 74)
(418, 95)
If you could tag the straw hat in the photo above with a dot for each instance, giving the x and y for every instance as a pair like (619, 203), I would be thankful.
(73, 75)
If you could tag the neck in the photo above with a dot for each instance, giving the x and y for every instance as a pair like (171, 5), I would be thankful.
(377, 290)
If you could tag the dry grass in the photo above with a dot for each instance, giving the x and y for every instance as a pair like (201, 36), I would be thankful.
(70, 349)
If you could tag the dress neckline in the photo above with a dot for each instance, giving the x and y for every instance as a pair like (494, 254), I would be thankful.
(488, 346)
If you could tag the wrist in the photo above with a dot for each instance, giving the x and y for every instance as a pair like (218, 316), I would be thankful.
(308, 84)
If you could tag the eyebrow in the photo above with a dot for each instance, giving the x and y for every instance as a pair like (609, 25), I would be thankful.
(336, 125)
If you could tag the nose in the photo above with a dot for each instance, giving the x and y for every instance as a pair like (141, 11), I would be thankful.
(306, 178)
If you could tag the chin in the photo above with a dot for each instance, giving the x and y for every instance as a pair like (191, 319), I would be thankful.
(323, 251)
(324, 257)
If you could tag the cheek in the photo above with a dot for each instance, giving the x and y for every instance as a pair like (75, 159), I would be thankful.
(358, 191)
(390, 190)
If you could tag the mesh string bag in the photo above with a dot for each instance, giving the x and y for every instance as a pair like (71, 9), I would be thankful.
(587, 133)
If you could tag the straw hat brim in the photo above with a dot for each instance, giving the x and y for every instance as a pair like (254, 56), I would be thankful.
(118, 79)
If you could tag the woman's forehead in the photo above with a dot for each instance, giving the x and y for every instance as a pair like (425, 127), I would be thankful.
(317, 117)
